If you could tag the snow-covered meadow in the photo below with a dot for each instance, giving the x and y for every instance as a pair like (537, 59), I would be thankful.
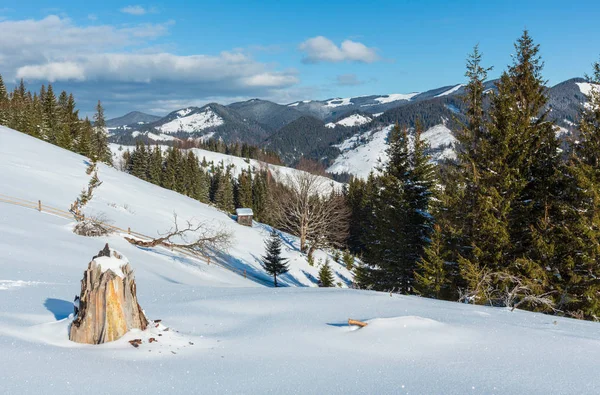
(228, 334)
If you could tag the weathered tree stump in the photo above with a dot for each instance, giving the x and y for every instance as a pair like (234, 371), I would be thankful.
(108, 306)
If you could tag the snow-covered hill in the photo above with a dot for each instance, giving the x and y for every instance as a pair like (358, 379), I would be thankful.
(237, 165)
(349, 121)
(231, 335)
(189, 121)
(364, 152)
(130, 202)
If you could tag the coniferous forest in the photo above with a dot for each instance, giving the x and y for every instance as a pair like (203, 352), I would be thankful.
(54, 119)
(513, 220)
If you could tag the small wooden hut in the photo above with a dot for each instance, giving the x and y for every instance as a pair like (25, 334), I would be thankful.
(244, 216)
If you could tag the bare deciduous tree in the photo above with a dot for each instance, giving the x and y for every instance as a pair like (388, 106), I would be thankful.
(507, 290)
(197, 238)
(303, 207)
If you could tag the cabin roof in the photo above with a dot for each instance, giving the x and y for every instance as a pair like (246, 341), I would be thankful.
(243, 211)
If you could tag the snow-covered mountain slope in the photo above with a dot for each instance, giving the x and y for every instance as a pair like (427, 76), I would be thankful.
(363, 153)
(237, 164)
(129, 202)
(587, 88)
(230, 335)
(190, 121)
(349, 121)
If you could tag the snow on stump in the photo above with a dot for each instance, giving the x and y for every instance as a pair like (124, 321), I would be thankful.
(108, 306)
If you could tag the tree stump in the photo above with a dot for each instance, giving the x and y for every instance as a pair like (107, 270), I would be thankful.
(108, 306)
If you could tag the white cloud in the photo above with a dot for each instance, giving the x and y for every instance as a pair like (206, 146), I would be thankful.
(122, 66)
(322, 49)
(52, 72)
(134, 10)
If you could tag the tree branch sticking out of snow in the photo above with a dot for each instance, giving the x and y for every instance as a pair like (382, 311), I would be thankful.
(195, 237)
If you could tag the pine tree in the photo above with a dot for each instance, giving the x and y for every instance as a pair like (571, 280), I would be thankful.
(260, 197)
(224, 194)
(155, 166)
(244, 189)
(4, 103)
(431, 277)
(348, 260)
(140, 160)
(99, 144)
(51, 117)
(326, 275)
(272, 262)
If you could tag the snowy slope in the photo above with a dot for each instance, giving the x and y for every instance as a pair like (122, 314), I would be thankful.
(364, 153)
(349, 121)
(187, 121)
(228, 335)
(130, 202)
(450, 91)
(280, 173)
(395, 97)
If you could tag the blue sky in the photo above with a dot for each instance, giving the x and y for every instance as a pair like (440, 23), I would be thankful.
(161, 56)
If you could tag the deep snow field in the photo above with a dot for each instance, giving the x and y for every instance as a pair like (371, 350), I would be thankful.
(228, 334)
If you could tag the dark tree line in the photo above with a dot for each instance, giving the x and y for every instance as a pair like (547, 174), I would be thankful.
(54, 119)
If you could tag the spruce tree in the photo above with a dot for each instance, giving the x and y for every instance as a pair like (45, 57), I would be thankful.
(99, 144)
(155, 165)
(326, 275)
(272, 262)
(431, 276)
(224, 194)
(4, 103)
(244, 189)
(51, 117)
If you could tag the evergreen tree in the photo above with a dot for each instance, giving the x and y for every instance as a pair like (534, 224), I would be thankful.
(84, 142)
(99, 144)
(348, 260)
(224, 194)
(326, 275)
(51, 128)
(140, 159)
(155, 166)
(401, 219)
(260, 197)
(244, 189)
(4, 103)
(431, 277)
(272, 262)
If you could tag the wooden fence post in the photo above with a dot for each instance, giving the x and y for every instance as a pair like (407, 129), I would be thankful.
(40, 206)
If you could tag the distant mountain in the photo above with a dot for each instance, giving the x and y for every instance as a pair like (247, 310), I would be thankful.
(210, 121)
(132, 118)
(307, 136)
(272, 115)
(318, 128)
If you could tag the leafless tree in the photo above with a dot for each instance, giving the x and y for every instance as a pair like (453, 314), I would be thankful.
(505, 289)
(195, 237)
(305, 205)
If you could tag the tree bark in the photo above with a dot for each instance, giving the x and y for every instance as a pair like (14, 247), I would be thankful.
(108, 306)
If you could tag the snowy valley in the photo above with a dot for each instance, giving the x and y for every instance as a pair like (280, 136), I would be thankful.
(226, 331)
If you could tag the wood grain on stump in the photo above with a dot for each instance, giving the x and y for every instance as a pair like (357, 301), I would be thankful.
(108, 306)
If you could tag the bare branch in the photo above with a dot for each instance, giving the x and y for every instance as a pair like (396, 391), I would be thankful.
(196, 238)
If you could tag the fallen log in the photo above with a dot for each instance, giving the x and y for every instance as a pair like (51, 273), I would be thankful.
(357, 323)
